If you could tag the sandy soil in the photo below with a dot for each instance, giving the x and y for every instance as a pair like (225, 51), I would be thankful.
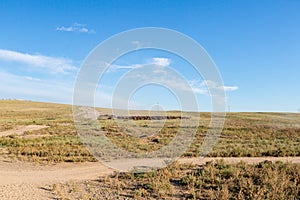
(20, 130)
(24, 181)
(28, 181)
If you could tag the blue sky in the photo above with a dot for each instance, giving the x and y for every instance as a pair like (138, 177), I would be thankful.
(255, 44)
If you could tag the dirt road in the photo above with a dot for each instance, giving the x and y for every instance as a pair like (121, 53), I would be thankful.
(24, 181)
(27, 181)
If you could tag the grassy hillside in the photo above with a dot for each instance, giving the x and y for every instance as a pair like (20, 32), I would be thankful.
(244, 134)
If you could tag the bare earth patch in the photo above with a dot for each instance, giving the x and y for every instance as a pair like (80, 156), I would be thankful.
(20, 130)
(24, 181)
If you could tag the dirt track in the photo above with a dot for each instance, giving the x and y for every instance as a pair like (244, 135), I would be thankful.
(28, 181)
(22, 181)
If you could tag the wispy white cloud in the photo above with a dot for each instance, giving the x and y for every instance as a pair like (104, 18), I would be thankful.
(199, 90)
(213, 85)
(32, 78)
(54, 64)
(119, 67)
(230, 88)
(76, 27)
(157, 61)
(115, 68)
(163, 62)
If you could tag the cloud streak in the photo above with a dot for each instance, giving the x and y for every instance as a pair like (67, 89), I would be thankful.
(76, 27)
(163, 62)
(54, 64)
(157, 61)
(212, 85)
(230, 88)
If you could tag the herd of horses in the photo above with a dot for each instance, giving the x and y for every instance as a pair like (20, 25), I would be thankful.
(141, 117)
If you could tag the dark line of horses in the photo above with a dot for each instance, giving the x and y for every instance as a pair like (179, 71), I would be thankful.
(138, 117)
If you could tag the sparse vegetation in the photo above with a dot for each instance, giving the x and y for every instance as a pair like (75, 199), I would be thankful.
(244, 134)
(214, 180)
(57, 143)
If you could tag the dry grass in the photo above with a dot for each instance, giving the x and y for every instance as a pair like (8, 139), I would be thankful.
(214, 180)
(58, 143)
(244, 134)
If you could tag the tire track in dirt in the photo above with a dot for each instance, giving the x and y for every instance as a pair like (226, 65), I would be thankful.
(22, 181)
(20, 172)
